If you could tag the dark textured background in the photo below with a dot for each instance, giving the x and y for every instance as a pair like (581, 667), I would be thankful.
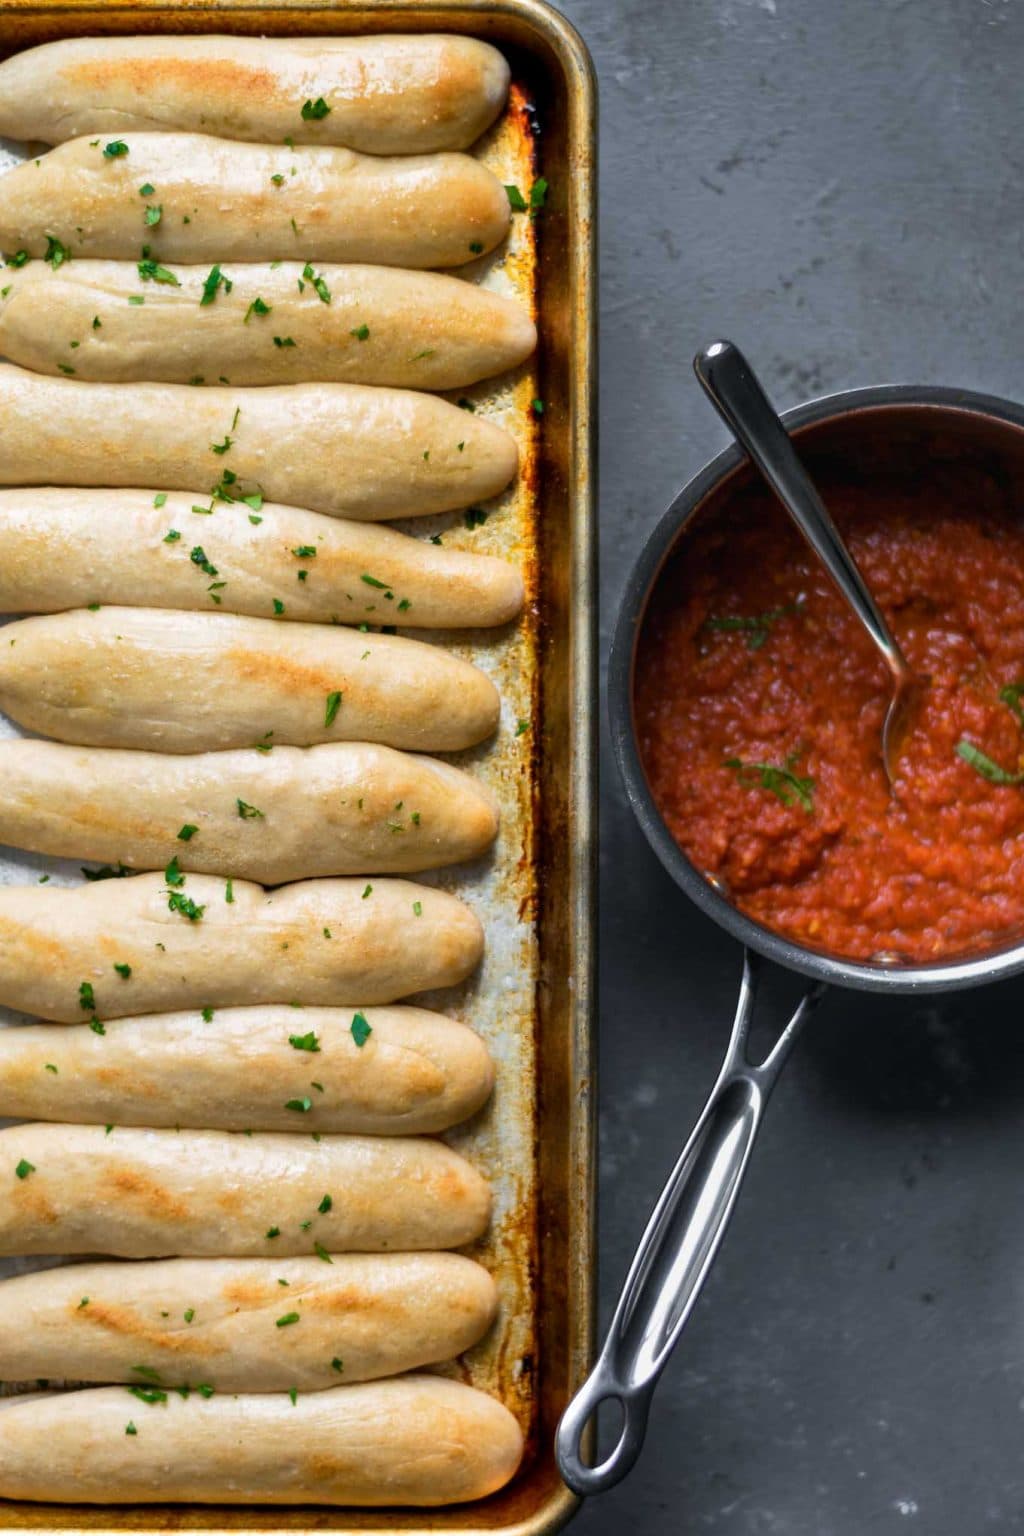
(836, 184)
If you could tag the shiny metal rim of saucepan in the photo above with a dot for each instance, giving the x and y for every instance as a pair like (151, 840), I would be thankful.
(690, 1218)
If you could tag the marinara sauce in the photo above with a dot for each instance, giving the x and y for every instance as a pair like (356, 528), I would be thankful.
(759, 707)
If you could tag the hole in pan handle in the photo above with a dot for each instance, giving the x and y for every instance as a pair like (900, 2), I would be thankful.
(677, 1249)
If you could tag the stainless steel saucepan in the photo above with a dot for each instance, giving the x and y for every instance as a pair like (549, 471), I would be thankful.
(864, 434)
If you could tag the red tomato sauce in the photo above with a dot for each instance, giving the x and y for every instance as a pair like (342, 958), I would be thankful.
(748, 656)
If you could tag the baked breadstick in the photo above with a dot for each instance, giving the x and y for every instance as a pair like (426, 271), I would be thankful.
(327, 810)
(419, 1440)
(62, 548)
(386, 95)
(416, 330)
(196, 198)
(346, 449)
(151, 943)
(360, 1317)
(196, 682)
(383, 1071)
(141, 1194)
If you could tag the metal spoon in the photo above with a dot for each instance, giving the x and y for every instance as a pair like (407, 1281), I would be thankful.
(737, 396)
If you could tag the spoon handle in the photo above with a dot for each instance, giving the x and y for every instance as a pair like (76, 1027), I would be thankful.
(736, 394)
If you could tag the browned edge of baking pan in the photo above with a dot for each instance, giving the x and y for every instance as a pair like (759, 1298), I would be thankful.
(548, 54)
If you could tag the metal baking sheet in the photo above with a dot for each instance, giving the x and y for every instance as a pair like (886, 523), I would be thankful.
(531, 999)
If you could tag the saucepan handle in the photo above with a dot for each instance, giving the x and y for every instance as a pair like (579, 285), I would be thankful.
(677, 1249)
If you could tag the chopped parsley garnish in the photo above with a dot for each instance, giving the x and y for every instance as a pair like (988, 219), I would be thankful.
(172, 535)
(323, 293)
(177, 901)
(756, 627)
(427, 352)
(153, 214)
(222, 448)
(984, 765)
(147, 189)
(147, 1371)
(337, 1365)
(325, 1205)
(538, 196)
(277, 179)
(537, 406)
(51, 1068)
(189, 1314)
(229, 892)
(215, 279)
(307, 1042)
(56, 253)
(475, 517)
(417, 908)
(198, 557)
(17, 260)
(115, 149)
(278, 605)
(248, 812)
(361, 1030)
(173, 874)
(517, 202)
(99, 1029)
(273, 1232)
(187, 832)
(780, 780)
(293, 1393)
(136, 298)
(304, 552)
(150, 1395)
(86, 997)
(313, 111)
(257, 307)
(159, 499)
(122, 969)
(476, 246)
(367, 891)
(361, 333)
(283, 341)
(24, 1168)
(321, 1253)
(332, 707)
(371, 581)
(130, 1429)
(300, 1106)
(1011, 697)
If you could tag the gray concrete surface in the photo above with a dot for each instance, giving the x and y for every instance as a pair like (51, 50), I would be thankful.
(837, 185)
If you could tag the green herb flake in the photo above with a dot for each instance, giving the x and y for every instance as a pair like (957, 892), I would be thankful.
(332, 706)
(283, 341)
(522, 726)
(361, 333)
(475, 517)
(130, 1429)
(257, 307)
(417, 908)
(320, 287)
(147, 189)
(477, 247)
(366, 892)
(337, 1365)
(198, 557)
(153, 215)
(177, 901)
(325, 1205)
(984, 765)
(361, 1030)
(537, 407)
(229, 892)
(153, 272)
(779, 780)
(215, 279)
(538, 196)
(173, 874)
(294, 1395)
(314, 111)
(115, 150)
(51, 1068)
(371, 581)
(187, 832)
(189, 1314)
(23, 1169)
(248, 812)
(321, 1253)
(272, 1232)
(122, 968)
(300, 1106)
(97, 1027)
(756, 627)
(86, 997)
(517, 202)
(307, 1042)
